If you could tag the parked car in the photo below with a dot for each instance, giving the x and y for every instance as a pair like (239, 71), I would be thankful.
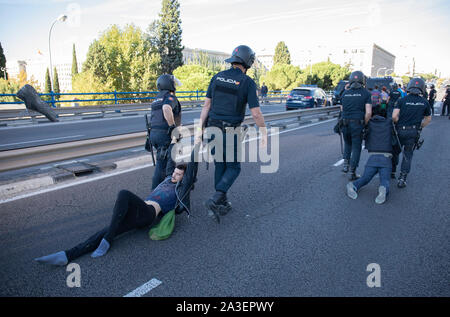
(306, 97)
(338, 91)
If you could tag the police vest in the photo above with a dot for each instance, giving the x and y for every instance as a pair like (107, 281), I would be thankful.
(226, 104)
(379, 137)
(157, 119)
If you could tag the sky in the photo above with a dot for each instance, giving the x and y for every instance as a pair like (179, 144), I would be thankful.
(405, 28)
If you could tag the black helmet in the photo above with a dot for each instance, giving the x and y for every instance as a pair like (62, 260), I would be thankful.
(242, 55)
(357, 77)
(416, 86)
(394, 86)
(166, 82)
(432, 86)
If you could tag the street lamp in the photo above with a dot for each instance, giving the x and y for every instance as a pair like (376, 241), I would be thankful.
(61, 18)
(380, 69)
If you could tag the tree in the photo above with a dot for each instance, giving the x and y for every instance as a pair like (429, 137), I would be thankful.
(9, 87)
(74, 62)
(169, 36)
(282, 55)
(123, 60)
(3, 73)
(283, 77)
(56, 83)
(194, 77)
(22, 77)
(48, 82)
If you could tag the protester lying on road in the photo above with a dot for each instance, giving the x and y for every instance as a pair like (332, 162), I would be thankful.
(131, 212)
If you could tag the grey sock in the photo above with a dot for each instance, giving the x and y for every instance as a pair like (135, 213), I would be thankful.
(102, 249)
(58, 258)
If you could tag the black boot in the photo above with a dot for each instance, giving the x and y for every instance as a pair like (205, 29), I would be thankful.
(215, 206)
(353, 176)
(226, 206)
(393, 175)
(402, 180)
(345, 167)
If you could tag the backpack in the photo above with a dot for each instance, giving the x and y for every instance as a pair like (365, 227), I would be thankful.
(164, 228)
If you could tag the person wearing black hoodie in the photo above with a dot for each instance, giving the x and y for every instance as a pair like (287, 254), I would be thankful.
(378, 141)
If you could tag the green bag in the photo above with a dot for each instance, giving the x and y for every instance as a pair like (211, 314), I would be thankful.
(164, 228)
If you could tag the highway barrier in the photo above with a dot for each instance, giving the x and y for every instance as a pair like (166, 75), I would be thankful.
(21, 158)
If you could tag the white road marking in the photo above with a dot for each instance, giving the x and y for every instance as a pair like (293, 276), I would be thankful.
(50, 139)
(338, 163)
(145, 288)
(96, 178)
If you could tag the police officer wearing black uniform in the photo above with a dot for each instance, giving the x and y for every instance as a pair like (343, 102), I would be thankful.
(228, 94)
(432, 98)
(165, 116)
(356, 112)
(409, 114)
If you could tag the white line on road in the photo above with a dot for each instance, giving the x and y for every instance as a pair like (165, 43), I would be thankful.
(145, 288)
(50, 139)
(96, 178)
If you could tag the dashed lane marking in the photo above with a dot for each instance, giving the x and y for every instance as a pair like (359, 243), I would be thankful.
(145, 288)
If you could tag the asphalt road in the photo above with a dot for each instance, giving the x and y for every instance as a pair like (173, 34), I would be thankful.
(291, 233)
(59, 132)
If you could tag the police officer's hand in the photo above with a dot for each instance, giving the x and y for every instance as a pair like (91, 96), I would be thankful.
(263, 142)
(198, 133)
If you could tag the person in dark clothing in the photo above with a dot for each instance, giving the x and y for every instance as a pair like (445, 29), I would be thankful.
(411, 114)
(356, 111)
(226, 100)
(432, 98)
(264, 91)
(379, 139)
(446, 103)
(165, 117)
(131, 212)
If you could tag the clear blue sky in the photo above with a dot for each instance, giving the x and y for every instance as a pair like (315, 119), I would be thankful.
(403, 27)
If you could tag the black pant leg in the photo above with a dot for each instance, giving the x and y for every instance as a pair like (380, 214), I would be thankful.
(130, 212)
(87, 246)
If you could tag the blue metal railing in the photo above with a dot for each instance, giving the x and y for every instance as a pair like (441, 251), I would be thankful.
(115, 96)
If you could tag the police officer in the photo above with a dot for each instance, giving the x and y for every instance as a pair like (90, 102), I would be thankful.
(432, 98)
(409, 114)
(165, 116)
(356, 112)
(446, 102)
(228, 94)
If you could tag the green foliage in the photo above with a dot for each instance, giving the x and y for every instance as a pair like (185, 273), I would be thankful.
(56, 83)
(427, 76)
(48, 84)
(256, 72)
(2, 63)
(283, 77)
(282, 55)
(194, 77)
(168, 36)
(86, 82)
(9, 87)
(325, 75)
(123, 59)
(74, 62)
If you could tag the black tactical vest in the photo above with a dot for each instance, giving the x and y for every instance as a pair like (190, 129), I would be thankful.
(226, 103)
(157, 119)
(379, 138)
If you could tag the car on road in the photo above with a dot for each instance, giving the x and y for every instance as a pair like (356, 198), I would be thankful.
(306, 97)
(338, 91)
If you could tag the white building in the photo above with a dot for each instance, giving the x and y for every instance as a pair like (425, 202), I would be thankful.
(190, 55)
(36, 69)
(370, 58)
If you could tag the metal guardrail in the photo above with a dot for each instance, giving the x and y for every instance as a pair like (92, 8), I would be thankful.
(20, 158)
(54, 98)
(19, 114)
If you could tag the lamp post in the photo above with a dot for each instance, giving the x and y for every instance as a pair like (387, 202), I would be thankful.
(61, 18)
(380, 69)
